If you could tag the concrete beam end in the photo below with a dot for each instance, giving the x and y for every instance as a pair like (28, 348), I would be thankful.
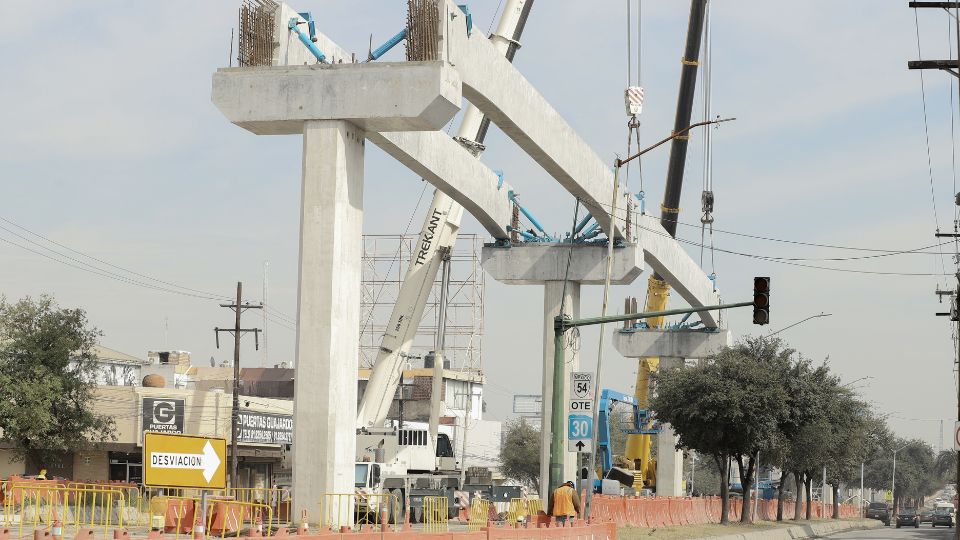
(536, 263)
(670, 343)
(387, 96)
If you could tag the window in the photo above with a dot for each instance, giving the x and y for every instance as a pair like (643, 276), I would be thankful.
(360, 475)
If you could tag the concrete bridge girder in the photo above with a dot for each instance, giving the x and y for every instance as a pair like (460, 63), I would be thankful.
(670, 343)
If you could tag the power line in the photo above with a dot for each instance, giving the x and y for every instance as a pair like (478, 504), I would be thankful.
(173, 288)
(926, 133)
(101, 261)
(794, 262)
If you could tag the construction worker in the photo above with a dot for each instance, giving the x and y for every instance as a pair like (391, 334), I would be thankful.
(564, 503)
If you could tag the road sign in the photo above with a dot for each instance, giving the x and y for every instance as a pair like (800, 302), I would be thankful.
(956, 436)
(581, 385)
(579, 433)
(580, 405)
(184, 461)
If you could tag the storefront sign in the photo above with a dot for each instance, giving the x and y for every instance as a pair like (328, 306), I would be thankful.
(163, 414)
(265, 428)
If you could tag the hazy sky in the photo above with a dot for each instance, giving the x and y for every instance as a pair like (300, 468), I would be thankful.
(109, 145)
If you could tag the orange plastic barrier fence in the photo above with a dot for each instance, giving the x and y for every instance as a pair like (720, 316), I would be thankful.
(652, 512)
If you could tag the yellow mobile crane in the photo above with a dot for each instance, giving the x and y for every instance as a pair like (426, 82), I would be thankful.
(658, 291)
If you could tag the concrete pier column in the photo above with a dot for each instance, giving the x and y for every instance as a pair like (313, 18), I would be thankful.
(328, 314)
(552, 293)
(669, 459)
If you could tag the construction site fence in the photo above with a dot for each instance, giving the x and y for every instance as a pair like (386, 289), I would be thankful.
(106, 506)
(665, 511)
(371, 509)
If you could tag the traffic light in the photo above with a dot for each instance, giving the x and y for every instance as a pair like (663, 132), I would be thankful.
(761, 300)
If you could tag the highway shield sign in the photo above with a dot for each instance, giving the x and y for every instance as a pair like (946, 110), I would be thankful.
(184, 461)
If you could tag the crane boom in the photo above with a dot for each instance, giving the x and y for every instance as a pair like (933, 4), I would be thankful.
(439, 231)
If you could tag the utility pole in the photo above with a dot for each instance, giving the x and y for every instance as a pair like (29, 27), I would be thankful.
(238, 308)
(951, 66)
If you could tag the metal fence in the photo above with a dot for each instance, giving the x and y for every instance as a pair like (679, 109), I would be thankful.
(436, 514)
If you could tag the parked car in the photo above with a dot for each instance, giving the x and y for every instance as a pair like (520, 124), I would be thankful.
(908, 517)
(926, 515)
(942, 515)
(879, 510)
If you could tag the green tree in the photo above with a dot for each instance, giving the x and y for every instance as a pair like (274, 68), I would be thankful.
(849, 439)
(47, 369)
(945, 466)
(519, 453)
(728, 408)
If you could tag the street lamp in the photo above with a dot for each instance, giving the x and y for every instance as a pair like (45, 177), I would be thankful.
(856, 380)
(821, 314)
(893, 481)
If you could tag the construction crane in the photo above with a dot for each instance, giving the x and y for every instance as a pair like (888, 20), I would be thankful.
(658, 291)
(439, 233)
(409, 464)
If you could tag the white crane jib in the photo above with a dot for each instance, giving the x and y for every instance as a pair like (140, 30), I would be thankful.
(440, 229)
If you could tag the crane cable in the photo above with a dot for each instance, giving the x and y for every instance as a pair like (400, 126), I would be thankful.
(707, 196)
(633, 123)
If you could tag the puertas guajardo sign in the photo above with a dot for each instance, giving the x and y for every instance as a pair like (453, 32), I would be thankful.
(265, 428)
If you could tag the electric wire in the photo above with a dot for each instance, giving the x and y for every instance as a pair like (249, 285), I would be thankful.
(573, 340)
(79, 264)
(926, 132)
(792, 262)
(208, 294)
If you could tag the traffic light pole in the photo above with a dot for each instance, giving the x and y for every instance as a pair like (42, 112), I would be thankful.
(560, 326)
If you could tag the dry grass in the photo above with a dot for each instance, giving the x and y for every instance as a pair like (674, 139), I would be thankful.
(700, 531)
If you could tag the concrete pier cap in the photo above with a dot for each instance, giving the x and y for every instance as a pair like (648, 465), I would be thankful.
(382, 96)
(673, 343)
(536, 263)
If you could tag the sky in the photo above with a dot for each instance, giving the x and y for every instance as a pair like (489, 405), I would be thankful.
(110, 146)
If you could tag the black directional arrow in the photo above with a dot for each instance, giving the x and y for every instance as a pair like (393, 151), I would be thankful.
(580, 446)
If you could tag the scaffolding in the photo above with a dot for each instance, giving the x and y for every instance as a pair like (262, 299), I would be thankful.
(385, 261)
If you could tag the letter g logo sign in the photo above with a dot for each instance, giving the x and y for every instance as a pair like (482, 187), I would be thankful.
(164, 412)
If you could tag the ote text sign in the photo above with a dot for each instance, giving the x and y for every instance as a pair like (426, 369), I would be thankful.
(184, 461)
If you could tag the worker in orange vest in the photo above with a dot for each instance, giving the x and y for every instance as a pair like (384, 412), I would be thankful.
(564, 503)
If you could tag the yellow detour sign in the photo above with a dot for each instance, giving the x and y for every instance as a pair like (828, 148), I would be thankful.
(184, 461)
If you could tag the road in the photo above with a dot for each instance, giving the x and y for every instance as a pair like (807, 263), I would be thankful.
(925, 532)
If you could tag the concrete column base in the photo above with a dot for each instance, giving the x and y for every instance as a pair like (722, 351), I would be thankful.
(552, 292)
(328, 315)
(669, 459)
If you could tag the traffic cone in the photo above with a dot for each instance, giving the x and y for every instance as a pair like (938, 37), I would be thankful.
(199, 532)
(258, 529)
(304, 524)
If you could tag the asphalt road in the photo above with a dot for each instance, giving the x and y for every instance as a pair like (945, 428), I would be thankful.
(925, 532)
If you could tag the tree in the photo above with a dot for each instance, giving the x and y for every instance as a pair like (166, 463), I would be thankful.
(945, 466)
(729, 408)
(849, 439)
(47, 376)
(519, 455)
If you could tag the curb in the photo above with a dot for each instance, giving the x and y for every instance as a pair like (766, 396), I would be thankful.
(812, 530)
